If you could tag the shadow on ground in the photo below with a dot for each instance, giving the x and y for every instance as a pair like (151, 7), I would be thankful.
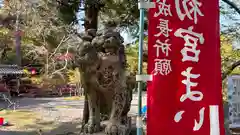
(24, 102)
(29, 103)
(64, 128)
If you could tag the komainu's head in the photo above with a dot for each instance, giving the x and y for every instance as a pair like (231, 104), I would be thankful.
(87, 56)
(106, 42)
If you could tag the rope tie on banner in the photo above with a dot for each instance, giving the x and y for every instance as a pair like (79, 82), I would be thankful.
(144, 78)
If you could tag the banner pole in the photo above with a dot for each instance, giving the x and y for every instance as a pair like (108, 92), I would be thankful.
(140, 64)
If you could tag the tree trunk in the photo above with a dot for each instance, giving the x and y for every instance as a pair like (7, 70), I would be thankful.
(3, 54)
(91, 17)
(90, 22)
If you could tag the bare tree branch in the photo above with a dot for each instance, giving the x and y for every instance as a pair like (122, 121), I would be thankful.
(64, 39)
(65, 65)
(230, 69)
(232, 5)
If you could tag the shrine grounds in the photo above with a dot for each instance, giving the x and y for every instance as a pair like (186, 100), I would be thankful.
(53, 116)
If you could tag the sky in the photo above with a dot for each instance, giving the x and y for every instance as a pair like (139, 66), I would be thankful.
(226, 21)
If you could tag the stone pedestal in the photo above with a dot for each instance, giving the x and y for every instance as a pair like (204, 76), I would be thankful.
(130, 126)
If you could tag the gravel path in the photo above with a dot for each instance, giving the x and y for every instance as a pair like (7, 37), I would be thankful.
(54, 109)
(59, 110)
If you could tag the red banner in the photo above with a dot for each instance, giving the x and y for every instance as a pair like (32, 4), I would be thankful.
(185, 96)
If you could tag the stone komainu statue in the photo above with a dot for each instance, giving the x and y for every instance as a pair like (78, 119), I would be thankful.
(101, 59)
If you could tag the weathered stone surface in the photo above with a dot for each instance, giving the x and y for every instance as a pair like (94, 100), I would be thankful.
(86, 37)
(92, 32)
(102, 62)
(98, 42)
(132, 130)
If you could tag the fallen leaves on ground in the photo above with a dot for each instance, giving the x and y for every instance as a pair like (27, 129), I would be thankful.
(74, 98)
(23, 120)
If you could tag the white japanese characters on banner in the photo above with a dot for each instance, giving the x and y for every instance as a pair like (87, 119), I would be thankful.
(162, 66)
(184, 59)
(192, 40)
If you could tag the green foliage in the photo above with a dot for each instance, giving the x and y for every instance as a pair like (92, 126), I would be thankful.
(10, 58)
(132, 59)
(125, 12)
(228, 54)
(74, 76)
(68, 10)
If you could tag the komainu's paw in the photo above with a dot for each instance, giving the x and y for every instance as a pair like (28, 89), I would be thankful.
(91, 128)
(113, 128)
